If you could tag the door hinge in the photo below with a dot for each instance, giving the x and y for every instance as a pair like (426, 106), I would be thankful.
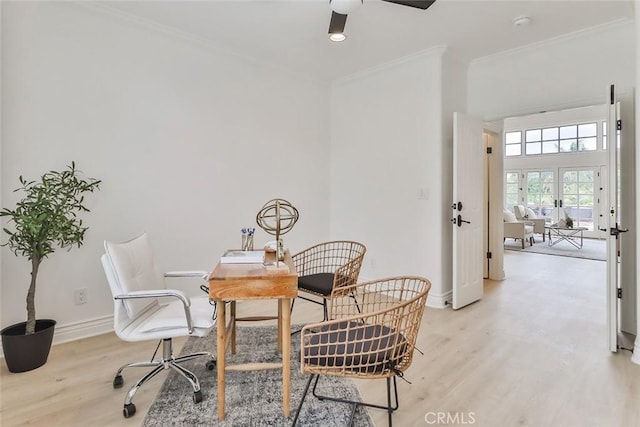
(619, 293)
(488, 255)
(619, 125)
(489, 150)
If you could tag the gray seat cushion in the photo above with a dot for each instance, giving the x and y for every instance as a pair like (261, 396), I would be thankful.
(320, 283)
(362, 348)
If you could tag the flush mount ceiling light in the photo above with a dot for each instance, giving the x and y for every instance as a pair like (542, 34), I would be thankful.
(521, 21)
(344, 7)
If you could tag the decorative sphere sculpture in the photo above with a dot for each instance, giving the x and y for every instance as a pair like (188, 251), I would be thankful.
(277, 217)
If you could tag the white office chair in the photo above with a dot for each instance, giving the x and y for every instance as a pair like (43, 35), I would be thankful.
(144, 309)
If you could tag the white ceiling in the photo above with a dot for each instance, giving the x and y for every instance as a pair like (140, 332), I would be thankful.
(292, 34)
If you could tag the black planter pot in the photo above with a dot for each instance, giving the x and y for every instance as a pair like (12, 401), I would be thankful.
(26, 352)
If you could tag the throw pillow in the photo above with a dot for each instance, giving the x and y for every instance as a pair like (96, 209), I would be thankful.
(508, 216)
(531, 214)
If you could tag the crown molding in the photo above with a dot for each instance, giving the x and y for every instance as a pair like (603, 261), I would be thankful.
(619, 23)
(433, 51)
(172, 32)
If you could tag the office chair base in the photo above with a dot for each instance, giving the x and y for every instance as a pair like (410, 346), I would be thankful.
(167, 362)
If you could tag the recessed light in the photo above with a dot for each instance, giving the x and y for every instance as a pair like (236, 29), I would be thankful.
(337, 37)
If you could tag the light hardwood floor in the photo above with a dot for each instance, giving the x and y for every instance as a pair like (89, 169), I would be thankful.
(532, 353)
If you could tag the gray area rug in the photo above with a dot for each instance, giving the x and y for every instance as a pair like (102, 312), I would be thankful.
(592, 248)
(253, 398)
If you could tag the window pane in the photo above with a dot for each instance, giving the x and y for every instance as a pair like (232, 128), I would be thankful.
(512, 188)
(569, 188)
(585, 176)
(513, 150)
(589, 129)
(533, 148)
(570, 200)
(512, 199)
(533, 135)
(569, 131)
(546, 199)
(550, 133)
(570, 176)
(587, 144)
(513, 137)
(550, 147)
(586, 200)
(533, 183)
(512, 177)
(568, 145)
(586, 188)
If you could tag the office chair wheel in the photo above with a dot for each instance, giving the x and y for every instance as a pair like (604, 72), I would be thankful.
(210, 365)
(197, 396)
(129, 410)
(118, 381)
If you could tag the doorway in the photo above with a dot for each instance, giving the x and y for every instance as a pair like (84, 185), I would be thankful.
(561, 193)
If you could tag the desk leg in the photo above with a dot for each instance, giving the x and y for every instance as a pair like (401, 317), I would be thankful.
(280, 331)
(233, 327)
(285, 304)
(221, 328)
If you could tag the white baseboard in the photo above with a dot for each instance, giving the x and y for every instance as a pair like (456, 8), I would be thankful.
(85, 329)
(439, 301)
(635, 357)
(79, 330)
(433, 300)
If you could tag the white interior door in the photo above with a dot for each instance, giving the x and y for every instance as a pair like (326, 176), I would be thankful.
(613, 225)
(468, 212)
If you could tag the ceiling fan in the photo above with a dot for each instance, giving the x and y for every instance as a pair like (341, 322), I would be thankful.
(341, 8)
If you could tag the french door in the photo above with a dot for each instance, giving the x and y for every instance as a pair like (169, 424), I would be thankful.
(561, 193)
(541, 193)
(579, 197)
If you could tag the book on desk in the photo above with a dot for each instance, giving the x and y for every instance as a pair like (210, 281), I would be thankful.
(242, 257)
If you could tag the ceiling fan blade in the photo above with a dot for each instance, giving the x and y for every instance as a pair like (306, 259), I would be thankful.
(338, 21)
(419, 4)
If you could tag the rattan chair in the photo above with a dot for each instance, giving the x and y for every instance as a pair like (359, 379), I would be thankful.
(370, 336)
(327, 266)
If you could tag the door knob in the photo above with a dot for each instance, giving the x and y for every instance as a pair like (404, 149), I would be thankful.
(460, 221)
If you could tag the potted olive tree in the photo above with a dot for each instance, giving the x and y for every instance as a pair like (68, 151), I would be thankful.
(45, 219)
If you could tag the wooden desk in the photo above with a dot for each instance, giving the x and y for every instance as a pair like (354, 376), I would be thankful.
(232, 282)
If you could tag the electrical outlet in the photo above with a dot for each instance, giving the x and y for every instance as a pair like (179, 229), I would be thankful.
(80, 296)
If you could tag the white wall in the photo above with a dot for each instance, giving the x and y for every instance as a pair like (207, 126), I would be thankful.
(189, 143)
(566, 72)
(387, 148)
